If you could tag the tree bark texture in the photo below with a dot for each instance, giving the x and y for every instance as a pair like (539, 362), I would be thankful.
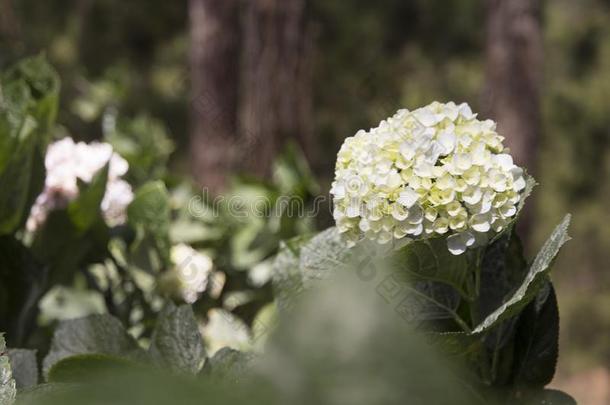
(214, 63)
(514, 71)
(276, 81)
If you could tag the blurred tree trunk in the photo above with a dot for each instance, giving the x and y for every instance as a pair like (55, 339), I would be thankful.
(514, 73)
(10, 31)
(514, 70)
(276, 93)
(214, 63)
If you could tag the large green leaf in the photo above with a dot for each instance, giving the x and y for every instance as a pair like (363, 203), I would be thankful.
(86, 367)
(537, 338)
(96, 334)
(74, 249)
(549, 397)
(25, 367)
(176, 342)
(8, 390)
(324, 254)
(149, 214)
(502, 269)
(533, 281)
(429, 259)
(428, 301)
(287, 276)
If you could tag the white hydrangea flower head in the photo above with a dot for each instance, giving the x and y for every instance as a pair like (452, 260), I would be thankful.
(66, 162)
(192, 269)
(437, 170)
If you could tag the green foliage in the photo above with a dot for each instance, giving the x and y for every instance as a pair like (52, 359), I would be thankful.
(145, 144)
(84, 211)
(538, 341)
(533, 281)
(176, 342)
(82, 368)
(96, 334)
(28, 105)
(500, 318)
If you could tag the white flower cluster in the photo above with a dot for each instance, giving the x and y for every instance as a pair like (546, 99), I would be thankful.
(66, 162)
(437, 170)
(192, 270)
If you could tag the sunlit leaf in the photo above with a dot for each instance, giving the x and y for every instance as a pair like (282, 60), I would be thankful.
(533, 281)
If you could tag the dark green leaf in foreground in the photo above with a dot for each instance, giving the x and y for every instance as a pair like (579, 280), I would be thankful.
(24, 366)
(8, 390)
(86, 367)
(533, 281)
(537, 338)
(96, 334)
(549, 397)
(177, 342)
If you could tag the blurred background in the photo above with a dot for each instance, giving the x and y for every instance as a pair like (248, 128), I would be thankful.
(221, 88)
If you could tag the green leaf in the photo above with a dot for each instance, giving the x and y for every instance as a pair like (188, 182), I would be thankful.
(149, 212)
(75, 248)
(86, 367)
(537, 341)
(292, 174)
(28, 105)
(29, 93)
(227, 363)
(8, 390)
(429, 259)
(25, 367)
(549, 397)
(43, 85)
(85, 210)
(145, 144)
(429, 301)
(533, 281)
(287, 276)
(452, 343)
(176, 342)
(22, 283)
(96, 334)
(502, 270)
(325, 254)
(42, 392)
(15, 182)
